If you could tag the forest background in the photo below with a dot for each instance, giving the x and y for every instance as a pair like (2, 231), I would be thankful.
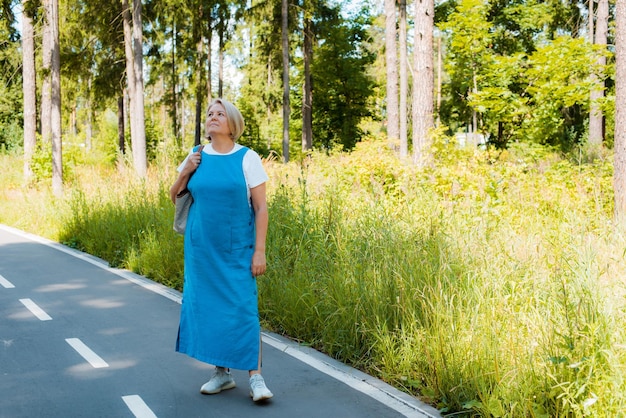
(475, 264)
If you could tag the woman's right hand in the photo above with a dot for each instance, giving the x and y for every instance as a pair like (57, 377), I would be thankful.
(193, 162)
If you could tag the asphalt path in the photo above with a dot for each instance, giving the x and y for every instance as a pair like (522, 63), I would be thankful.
(80, 339)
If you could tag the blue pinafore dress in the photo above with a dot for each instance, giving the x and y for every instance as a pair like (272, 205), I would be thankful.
(219, 321)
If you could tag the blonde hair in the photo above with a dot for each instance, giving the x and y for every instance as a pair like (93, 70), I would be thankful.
(233, 116)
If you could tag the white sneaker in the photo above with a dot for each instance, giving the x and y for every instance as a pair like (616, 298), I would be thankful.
(220, 381)
(258, 390)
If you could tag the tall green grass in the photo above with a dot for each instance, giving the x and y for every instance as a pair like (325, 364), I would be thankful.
(488, 284)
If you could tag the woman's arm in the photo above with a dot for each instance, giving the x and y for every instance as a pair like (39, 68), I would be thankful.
(193, 161)
(261, 219)
(179, 185)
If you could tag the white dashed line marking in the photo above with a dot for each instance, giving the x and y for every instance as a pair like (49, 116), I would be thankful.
(36, 310)
(138, 407)
(95, 360)
(5, 283)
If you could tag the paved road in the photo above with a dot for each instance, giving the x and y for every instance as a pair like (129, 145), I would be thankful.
(79, 339)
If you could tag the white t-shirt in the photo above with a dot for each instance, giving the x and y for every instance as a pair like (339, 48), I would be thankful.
(252, 166)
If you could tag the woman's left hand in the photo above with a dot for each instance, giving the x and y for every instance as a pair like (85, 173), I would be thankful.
(258, 263)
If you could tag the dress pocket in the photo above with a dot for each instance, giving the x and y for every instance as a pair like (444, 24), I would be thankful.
(242, 237)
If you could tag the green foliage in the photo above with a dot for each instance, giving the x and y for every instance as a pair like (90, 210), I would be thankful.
(42, 162)
(465, 284)
(342, 85)
(558, 78)
(11, 118)
(127, 225)
(11, 137)
(522, 81)
(487, 284)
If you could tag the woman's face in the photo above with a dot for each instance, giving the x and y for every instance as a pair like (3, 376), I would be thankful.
(217, 121)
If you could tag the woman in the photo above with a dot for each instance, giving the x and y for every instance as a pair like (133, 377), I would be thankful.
(224, 253)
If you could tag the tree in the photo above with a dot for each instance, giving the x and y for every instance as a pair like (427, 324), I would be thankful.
(423, 83)
(51, 91)
(468, 55)
(307, 88)
(133, 45)
(199, 72)
(393, 124)
(11, 104)
(46, 63)
(262, 91)
(29, 86)
(596, 119)
(286, 106)
(619, 164)
(342, 84)
(404, 82)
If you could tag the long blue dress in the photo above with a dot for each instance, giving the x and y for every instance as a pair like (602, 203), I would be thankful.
(219, 322)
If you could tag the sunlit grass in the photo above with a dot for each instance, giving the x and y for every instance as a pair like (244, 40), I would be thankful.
(490, 284)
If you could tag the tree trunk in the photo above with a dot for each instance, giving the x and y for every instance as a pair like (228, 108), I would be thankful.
(209, 72)
(133, 44)
(439, 82)
(120, 125)
(619, 163)
(307, 97)
(174, 87)
(404, 83)
(596, 118)
(590, 21)
(393, 124)
(200, 64)
(89, 121)
(128, 51)
(46, 66)
(197, 137)
(52, 17)
(220, 62)
(474, 112)
(29, 86)
(137, 122)
(423, 80)
(286, 106)
(268, 102)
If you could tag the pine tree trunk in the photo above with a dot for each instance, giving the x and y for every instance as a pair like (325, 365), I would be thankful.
(30, 94)
(137, 123)
(120, 125)
(404, 83)
(199, 72)
(89, 115)
(268, 103)
(46, 67)
(286, 105)
(596, 118)
(128, 51)
(133, 48)
(52, 17)
(307, 97)
(619, 163)
(393, 124)
(220, 62)
(423, 80)
(209, 71)
(174, 88)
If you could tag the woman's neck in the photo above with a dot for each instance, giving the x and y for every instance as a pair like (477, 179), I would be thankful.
(222, 145)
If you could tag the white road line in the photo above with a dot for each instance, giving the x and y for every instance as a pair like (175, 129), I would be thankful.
(36, 310)
(386, 397)
(5, 283)
(95, 360)
(138, 407)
